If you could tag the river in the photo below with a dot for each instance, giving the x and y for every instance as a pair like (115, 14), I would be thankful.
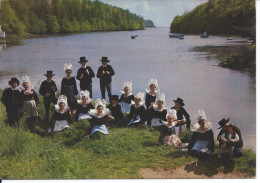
(180, 72)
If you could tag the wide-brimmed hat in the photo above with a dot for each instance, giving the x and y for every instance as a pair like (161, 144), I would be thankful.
(104, 59)
(179, 101)
(223, 122)
(114, 97)
(14, 80)
(49, 73)
(82, 59)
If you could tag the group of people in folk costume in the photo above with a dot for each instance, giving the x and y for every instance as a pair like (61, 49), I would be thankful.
(150, 110)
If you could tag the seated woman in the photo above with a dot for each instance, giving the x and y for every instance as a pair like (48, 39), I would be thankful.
(100, 118)
(137, 112)
(202, 141)
(30, 103)
(127, 97)
(168, 134)
(69, 87)
(158, 111)
(61, 117)
(115, 109)
(84, 106)
(182, 116)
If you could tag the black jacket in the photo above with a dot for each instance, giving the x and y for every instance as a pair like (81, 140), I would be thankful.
(115, 111)
(105, 78)
(12, 98)
(46, 87)
(235, 129)
(87, 79)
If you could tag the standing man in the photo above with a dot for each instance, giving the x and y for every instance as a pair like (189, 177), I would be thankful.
(105, 73)
(47, 90)
(85, 75)
(238, 150)
(12, 99)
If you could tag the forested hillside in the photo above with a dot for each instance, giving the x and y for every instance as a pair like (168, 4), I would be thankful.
(218, 17)
(65, 16)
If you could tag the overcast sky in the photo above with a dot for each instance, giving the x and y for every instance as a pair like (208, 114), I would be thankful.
(161, 12)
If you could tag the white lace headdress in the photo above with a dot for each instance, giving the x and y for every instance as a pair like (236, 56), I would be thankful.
(153, 82)
(67, 66)
(172, 112)
(127, 84)
(62, 98)
(201, 115)
(26, 79)
(160, 97)
(99, 102)
(85, 93)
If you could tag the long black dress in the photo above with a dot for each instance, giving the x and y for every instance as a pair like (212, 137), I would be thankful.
(57, 117)
(199, 141)
(86, 81)
(69, 89)
(83, 110)
(137, 113)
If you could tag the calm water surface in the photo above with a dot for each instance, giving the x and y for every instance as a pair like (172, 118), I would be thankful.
(180, 72)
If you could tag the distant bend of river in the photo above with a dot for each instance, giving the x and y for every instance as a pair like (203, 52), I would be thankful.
(180, 72)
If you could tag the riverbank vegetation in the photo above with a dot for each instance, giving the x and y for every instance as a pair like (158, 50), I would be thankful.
(235, 17)
(238, 57)
(72, 155)
(223, 17)
(19, 18)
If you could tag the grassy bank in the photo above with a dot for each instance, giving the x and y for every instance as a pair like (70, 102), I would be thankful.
(70, 155)
(237, 57)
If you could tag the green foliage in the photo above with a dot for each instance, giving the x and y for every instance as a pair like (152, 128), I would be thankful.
(218, 17)
(65, 16)
(186, 136)
(72, 155)
(247, 163)
(149, 23)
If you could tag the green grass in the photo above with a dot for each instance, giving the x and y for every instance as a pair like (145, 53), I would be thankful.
(72, 155)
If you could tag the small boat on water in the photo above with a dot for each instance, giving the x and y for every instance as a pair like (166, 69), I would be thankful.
(179, 36)
(135, 36)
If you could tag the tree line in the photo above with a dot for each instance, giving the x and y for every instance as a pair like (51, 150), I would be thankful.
(219, 17)
(65, 16)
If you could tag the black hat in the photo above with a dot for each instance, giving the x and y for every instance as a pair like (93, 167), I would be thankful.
(14, 80)
(114, 97)
(104, 59)
(179, 101)
(49, 73)
(223, 122)
(82, 59)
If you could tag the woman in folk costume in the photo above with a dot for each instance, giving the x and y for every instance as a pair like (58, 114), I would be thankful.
(150, 98)
(61, 117)
(137, 113)
(202, 141)
(182, 115)
(100, 118)
(168, 134)
(84, 106)
(69, 87)
(151, 94)
(127, 97)
(158, 111)
(30, 102)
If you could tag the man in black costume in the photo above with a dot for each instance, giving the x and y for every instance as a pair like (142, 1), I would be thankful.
(85, 75)
(105, 73)
(12, 99)
(47, 90)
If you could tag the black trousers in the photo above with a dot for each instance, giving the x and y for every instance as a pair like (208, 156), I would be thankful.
(103, 88)
(88, 87)
(47, 102)
(13, 114)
